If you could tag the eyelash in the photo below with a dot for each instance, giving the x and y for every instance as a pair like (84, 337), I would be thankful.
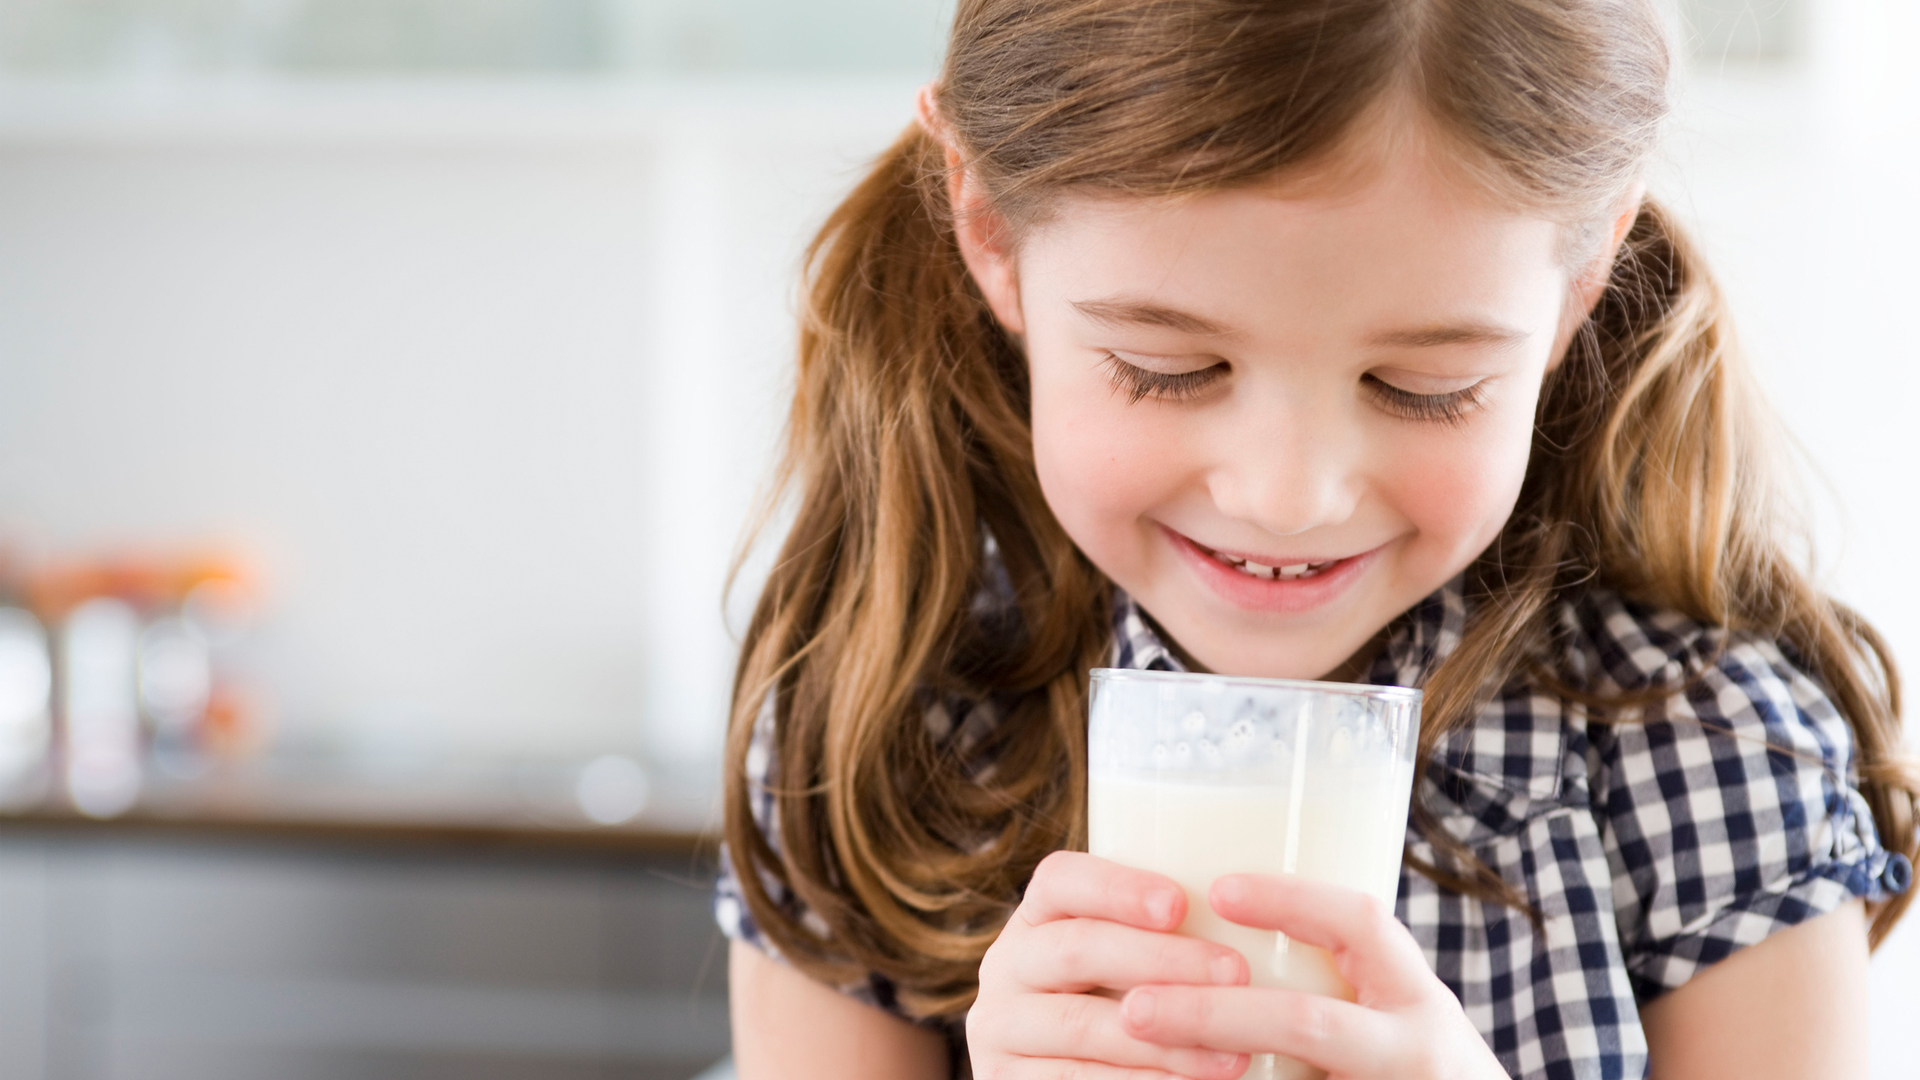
(1138, 383)
(1449, 409)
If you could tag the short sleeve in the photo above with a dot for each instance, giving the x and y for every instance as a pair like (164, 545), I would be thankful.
(1731, 809)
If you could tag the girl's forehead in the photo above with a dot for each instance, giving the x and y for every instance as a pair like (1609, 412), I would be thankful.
(1400, 237)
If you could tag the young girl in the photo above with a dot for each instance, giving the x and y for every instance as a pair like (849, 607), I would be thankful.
(1313, 339)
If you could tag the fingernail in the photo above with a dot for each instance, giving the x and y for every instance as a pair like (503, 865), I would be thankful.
(1160, 908)
(1139, 1008)
(1225, 970)
(1223, 1061)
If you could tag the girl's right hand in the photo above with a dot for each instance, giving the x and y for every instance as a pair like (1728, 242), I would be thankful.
(1087, 931)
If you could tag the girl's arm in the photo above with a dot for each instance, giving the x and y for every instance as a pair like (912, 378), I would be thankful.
(786, 1026)
(1793, 1005)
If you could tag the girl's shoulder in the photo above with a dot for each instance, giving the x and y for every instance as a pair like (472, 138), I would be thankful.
(1659, 692)
(1618, 660)
(1611, 645)
(1631, 692)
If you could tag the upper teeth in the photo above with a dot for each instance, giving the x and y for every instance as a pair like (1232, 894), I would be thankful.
(1260, 570)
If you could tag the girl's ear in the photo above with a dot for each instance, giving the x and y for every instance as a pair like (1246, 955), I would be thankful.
(985, 241)
(986, 245)
(1592, 279)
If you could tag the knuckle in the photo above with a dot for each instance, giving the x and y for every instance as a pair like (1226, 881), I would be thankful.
(1375, 922)
(1077, 1019)
(991, 964)
(976, 1022)
(1073, 948)
(1199, 1009)
(1313, 1020)
(1190, 958)
(987, 1032)
(1051, 867)
(1373, 912)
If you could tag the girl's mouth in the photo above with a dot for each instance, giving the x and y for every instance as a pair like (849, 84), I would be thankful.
(1269, 583)
(1271, 573)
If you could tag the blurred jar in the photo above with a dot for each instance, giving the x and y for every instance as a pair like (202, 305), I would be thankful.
(26, 706)
(99, 690)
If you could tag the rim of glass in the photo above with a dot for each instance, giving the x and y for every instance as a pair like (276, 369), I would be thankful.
(1367, 690)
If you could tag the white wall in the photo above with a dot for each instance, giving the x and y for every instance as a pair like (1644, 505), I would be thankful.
(484, 379)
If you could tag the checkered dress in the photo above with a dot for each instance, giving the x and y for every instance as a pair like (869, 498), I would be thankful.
(1649, 849)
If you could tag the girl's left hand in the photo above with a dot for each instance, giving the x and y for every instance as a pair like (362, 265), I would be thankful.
(1406, 1025)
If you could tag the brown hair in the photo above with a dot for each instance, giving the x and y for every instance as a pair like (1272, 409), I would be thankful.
(909, 441)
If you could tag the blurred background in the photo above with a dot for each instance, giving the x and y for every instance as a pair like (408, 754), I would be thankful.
(383, 388)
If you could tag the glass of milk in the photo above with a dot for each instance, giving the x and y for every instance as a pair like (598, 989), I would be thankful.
(1198, 776)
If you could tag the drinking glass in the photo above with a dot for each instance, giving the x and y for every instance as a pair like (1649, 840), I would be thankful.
(1197, 776)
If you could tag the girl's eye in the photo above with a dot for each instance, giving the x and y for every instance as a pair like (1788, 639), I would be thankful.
(1449, 408)
(1138, 382)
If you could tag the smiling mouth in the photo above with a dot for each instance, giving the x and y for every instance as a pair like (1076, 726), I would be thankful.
(1286, 572)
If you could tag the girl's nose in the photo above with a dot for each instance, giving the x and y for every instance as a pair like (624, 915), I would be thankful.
(1287, 472)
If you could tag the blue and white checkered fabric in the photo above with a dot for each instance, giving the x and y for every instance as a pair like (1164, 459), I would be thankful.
(1649, 848)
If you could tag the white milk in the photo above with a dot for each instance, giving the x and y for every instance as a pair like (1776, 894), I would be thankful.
(1346, 833)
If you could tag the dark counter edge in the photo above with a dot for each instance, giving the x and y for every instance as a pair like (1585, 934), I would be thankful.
(529, 837)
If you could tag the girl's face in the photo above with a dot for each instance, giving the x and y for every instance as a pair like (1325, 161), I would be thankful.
(1280, 417)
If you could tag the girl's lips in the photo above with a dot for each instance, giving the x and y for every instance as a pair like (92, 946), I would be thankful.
(1269, 594)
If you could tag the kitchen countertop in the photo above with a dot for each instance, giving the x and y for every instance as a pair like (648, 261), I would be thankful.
(520, 804)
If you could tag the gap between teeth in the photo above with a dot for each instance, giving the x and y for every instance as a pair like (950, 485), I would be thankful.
(1281, 573)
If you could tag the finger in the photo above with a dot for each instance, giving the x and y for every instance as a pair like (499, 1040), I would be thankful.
(1370, 947)
(1075, 955)
(1336, 1035)
(1073, 884)
(1082, 1027)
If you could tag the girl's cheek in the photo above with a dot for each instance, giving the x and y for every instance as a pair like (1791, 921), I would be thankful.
(1099, 471)
(1459, 487)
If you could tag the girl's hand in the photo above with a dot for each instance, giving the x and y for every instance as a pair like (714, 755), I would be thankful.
(1086, 926)
(1406, 1026)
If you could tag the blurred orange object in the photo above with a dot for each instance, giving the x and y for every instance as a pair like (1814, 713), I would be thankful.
(233, 727)
(148, 581)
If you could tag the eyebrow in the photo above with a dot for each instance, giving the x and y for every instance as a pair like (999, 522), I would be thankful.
(1470, 333)
(1124, 312)
(1146, 313)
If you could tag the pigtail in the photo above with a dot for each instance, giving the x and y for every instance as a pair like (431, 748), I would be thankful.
(908, 444)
